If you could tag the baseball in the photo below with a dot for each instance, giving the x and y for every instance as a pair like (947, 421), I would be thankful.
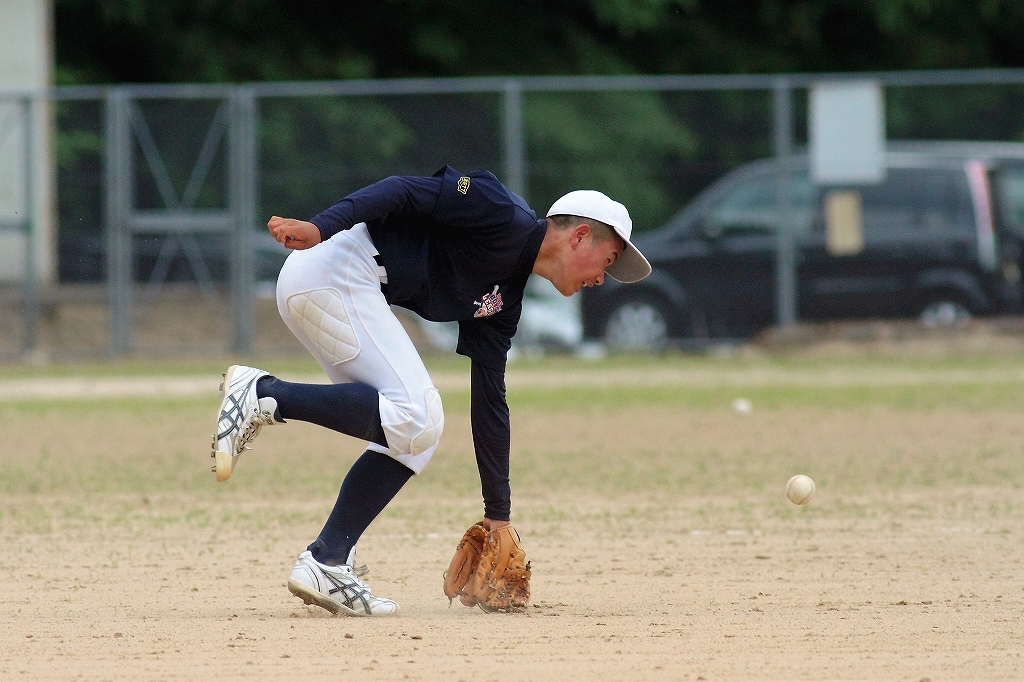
(742, 406)
(800, 489)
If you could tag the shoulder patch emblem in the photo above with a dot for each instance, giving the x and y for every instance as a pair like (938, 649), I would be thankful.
(490, 304)
(463, 185)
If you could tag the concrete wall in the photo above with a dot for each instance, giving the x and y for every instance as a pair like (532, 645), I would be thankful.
(26, 67)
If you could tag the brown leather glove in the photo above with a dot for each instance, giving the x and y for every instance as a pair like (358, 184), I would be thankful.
(489, 570)
(464, 563)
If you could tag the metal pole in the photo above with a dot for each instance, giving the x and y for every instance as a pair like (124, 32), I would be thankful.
(242, 179)
(31, 290)
(785, 253)
(117, 179)
(515, 139)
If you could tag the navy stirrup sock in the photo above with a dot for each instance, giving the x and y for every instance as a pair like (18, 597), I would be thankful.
(370, 484)
(352, 409)
(373, 480)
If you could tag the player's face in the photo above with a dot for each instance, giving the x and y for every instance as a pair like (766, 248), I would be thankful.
(587, 263)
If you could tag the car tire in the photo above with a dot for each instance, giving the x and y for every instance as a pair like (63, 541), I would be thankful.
(637, 325)
(943, 311)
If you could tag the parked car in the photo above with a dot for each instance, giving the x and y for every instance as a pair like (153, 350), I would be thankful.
(939, 238)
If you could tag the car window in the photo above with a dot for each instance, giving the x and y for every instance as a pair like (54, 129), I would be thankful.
(750, 207)
(920, 201)
(1011, 195)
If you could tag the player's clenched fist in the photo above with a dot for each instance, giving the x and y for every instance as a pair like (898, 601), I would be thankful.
(294, 234)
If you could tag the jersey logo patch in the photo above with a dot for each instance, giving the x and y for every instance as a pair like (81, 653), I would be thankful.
(463, 185)
(491, 304)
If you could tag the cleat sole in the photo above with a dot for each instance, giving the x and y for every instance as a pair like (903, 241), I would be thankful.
(310, 596)
(223, 466)
(223, 461)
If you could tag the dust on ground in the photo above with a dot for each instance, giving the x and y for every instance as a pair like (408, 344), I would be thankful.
(663, 547)
(691, 590)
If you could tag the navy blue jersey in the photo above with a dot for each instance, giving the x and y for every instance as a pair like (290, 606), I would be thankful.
(457, 247)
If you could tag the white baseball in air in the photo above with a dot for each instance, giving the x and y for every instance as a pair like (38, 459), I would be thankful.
(800, 489)
(742, 406)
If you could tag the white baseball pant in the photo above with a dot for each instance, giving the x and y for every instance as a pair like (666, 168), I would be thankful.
(330, 298)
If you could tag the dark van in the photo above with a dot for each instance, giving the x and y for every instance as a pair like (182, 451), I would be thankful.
(939, 238)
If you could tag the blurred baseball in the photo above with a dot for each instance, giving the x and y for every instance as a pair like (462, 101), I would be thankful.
(800, 489)
(742, 406)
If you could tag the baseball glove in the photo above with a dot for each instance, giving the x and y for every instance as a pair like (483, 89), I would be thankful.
(489, 570)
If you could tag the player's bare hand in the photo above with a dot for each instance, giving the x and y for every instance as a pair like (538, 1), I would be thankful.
(294, 234)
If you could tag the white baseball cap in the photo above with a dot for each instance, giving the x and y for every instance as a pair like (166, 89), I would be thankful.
(630, 266)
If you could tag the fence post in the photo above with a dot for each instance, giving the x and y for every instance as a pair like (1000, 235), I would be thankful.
(30, 285)
(243, 200)
(785, 252)
(118, 181)
(515, 139)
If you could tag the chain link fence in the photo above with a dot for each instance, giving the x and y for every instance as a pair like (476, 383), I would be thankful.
(163, 191)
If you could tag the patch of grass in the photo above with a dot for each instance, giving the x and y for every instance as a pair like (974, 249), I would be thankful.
(443, 363)
(136, 367)
(967, 395)
(629, 438)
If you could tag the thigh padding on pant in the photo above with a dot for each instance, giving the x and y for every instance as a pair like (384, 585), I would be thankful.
(431, 432)
(321, 314)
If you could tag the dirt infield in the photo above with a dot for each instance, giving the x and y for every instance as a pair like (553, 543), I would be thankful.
(663, 547)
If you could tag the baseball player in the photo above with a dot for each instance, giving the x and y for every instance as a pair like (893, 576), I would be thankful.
(449, 247)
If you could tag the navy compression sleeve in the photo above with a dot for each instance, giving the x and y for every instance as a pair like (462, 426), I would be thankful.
(407, 195)
(491, 439)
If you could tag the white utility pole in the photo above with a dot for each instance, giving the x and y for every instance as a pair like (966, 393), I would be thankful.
(27, 185)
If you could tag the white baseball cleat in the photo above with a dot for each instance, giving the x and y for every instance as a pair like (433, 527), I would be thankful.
(336, 588)
(241, 417)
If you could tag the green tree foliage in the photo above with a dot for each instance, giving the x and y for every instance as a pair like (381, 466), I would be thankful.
(246, 40)
(615, 141)
(654, 151)
(310, 146)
